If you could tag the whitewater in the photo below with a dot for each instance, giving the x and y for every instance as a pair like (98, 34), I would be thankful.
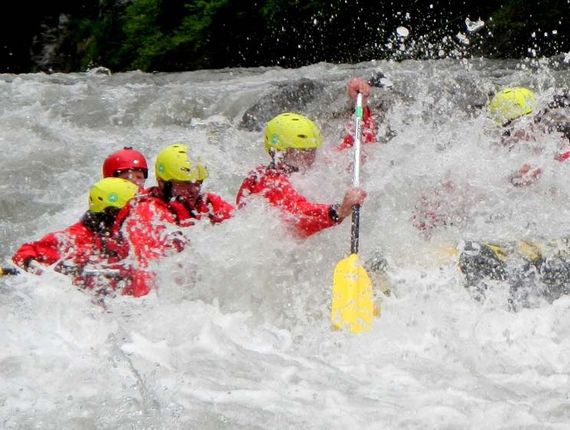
(237, 336)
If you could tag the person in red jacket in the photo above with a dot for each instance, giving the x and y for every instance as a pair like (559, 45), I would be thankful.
(291, 140)
(86, 244)
(151, 223)
(369, 127)
(515, 109)
(127, 163)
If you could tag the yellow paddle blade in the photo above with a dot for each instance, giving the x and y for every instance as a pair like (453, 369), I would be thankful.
(446, 254)
(352, 305)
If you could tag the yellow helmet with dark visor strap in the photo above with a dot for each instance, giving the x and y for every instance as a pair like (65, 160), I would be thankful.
(512, 103)
(111, 192)
(174, 164)
(291, 131)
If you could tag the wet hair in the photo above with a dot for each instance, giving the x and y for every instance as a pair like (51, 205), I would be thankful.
(100, 222)
(376, 79)
(560, 100)
(564, 128)
(167, 190)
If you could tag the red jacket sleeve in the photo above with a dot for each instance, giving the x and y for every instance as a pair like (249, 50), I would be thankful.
(45, 251)
(138, 282)
(76, 246)
(250, 185)
(369, 131)
(147, 229)
(219, 209)
(123, 276)
(563, 156)
(305, 217)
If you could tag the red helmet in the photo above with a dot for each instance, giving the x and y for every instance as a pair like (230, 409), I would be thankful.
(125, 159)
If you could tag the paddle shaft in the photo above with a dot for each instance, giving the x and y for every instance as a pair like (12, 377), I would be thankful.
(5, 271)
(109, 273)
(355, 225)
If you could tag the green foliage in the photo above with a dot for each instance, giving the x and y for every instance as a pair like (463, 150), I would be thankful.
(522, 28)
(173, 35)
(155, 41)
(143, 38)
(91, 33)
(97, 41)
(196, 31)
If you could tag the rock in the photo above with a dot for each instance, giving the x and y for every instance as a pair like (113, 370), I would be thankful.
(290, 96)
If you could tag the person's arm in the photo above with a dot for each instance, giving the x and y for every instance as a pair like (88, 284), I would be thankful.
(219, 209)
(526, 175)
(122, 277)
(562, 156)
(146, 230)
(151, 232)
(44, 251)
(307, 217)
(369, 127)
(357, 86)
(249, 186)
(346, 143)
(369, 131)
(137, 282)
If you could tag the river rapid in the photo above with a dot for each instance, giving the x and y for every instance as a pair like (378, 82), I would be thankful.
(238, 336)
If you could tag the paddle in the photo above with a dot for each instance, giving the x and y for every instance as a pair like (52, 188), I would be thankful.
(109, 273)
(352, 305)
(6, 271)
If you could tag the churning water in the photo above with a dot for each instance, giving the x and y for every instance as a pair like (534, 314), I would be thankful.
(237, 335)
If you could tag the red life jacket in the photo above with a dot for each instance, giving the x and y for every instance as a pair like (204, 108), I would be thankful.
(144, 221)
(77, 245)
(563, 156)
(368, 127)
(72, 250)
(146, 224)
(211, 205)
(273, 184)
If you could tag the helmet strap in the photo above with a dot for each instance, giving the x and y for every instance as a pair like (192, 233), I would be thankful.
(100, 222)
(283, 167)
(278, 161)
(167, 190)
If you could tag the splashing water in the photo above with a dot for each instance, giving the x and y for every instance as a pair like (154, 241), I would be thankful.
(237, 335)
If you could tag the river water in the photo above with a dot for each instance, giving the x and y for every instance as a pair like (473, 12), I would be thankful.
(237, 335)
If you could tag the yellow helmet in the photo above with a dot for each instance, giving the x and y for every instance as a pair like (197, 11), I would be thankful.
(173, 164)
(111, 192)
(291, 130)
(512, 103)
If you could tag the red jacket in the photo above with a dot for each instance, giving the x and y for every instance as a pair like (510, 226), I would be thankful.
(71, 250)
(209, 205)
(272, 183)
(369, 131)
(563, 156)
(148, 223)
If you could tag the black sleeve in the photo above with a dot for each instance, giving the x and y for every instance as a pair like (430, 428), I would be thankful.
(333, 213)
